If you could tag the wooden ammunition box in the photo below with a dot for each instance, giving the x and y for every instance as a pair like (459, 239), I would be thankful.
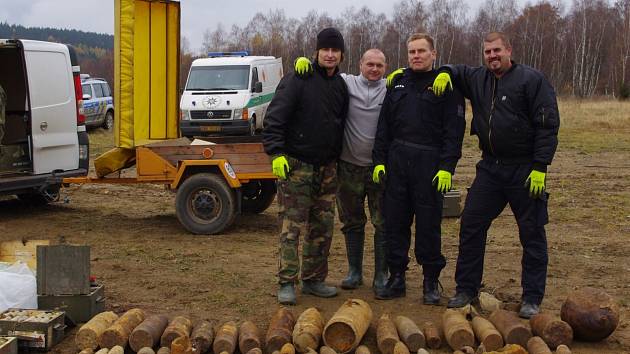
(8, 345)
(34, 329)
(452, 204)
(78, 308)
(63, 270)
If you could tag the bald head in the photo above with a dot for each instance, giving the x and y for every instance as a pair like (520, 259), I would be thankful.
(373, 64)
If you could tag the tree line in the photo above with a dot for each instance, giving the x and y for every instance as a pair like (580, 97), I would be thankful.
(583, 48)
(94, 50)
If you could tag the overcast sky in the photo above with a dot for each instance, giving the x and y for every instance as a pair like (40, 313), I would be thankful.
(197, 15)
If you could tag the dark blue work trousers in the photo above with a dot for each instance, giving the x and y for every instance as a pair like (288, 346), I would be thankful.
(409, 192)
(496, 185)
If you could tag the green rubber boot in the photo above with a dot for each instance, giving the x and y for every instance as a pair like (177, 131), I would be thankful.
(354, 251)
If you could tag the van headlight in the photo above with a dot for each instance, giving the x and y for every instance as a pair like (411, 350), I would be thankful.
(184, 114)
(238, 113)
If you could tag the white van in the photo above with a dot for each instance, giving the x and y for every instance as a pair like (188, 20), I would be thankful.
(43, 137)
(228, 95)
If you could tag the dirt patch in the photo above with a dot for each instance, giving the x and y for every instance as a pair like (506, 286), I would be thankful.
(147, 260)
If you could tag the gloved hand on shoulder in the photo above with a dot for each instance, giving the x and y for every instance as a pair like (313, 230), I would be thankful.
(441, 82)
(303, 67)
(392, 76)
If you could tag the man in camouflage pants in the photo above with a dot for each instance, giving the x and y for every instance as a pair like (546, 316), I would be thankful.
(302, 133)
(354, 170)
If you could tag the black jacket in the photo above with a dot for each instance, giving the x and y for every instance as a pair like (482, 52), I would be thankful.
(306, 117)
(515, 117)
(413, 114)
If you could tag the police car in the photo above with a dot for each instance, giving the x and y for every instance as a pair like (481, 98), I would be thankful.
(98, 104)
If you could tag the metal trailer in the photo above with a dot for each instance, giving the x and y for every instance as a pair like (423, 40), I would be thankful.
(213, 183)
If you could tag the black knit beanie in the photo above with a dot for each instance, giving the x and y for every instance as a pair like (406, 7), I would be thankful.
(330, 38)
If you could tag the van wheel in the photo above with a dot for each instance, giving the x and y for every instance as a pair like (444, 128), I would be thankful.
(252, 126)
(109, 120)
(36, 197)
(205, 204)
(257, 196)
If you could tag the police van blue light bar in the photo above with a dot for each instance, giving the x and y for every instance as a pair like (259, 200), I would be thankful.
(242, 53)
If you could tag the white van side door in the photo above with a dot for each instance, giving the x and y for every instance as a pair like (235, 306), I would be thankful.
(53, 109)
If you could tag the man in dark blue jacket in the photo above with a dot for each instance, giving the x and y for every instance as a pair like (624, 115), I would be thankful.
(515, 117)
(418, 143)
(302, 132)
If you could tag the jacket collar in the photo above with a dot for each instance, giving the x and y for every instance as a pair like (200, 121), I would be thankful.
(322, 71)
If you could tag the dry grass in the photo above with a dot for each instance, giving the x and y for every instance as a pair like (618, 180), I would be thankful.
(594, 125)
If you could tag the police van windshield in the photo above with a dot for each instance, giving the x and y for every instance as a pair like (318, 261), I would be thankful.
(227, 77)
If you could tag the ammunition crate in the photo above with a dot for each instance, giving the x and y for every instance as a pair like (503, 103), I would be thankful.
(8, 345)
(78, 308)
(35, 329)
(63, 270)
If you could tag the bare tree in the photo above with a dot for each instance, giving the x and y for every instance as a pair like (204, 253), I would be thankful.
(588, 25)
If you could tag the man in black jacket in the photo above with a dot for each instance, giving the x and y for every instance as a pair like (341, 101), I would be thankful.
(418, 143)
(302, 132)
(515, 117)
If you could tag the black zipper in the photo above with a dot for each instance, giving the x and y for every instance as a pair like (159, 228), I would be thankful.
(494, 80)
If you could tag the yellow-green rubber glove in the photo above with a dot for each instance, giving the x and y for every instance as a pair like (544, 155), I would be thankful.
(390, 78)
(443, 181)
(441, 82)
(303, 67)
(536, 181)
(280, 167)
(378, 174)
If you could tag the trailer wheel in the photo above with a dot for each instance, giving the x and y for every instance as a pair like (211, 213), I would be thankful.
(205, 204)
(257, 196)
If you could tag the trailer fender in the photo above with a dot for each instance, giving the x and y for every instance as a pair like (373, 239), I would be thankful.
(223, 165)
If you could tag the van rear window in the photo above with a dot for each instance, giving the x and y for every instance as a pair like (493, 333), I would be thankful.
(227, 77)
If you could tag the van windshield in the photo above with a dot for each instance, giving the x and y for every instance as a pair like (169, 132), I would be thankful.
(227, 77)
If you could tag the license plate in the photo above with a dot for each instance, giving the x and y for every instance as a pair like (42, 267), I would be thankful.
(212, 128)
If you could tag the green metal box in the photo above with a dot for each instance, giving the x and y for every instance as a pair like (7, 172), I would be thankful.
(63, 270)
(34, 329)
(78, 308)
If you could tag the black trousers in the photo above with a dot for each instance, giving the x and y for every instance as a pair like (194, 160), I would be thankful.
(495, 186)
(409, 192)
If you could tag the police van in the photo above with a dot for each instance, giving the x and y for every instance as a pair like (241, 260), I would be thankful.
(228, 94)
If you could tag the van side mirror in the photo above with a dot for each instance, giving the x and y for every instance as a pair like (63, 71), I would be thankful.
(258, 87)
(86, 96)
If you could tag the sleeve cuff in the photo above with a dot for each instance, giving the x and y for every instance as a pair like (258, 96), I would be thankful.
(541, 167)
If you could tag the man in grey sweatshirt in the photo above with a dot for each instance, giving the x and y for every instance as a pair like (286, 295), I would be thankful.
(355, 166)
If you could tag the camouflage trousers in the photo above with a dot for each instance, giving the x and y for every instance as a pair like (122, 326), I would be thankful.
(354, 185)
(307, 208)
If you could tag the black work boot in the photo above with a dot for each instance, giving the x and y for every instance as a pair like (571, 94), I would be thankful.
(395, 287)
(380, 263)
(528, 309)
(431, 291)
(460, 299)
(354, 250)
